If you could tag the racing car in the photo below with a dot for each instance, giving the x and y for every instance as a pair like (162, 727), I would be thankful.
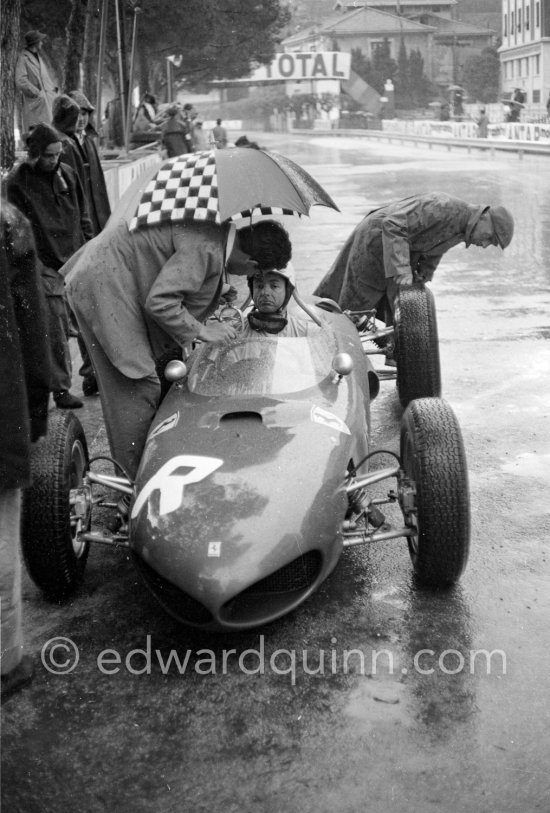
(257, 472)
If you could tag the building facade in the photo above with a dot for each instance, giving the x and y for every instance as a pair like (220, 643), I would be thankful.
(525, 50)
(443, 42)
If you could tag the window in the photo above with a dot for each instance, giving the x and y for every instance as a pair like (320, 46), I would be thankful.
(380, 47)
(537, 15)
(519, 20)
(536, 97)
(526, 66)
(512, 23)
(537, 65)
(527, 18)
(505, 25)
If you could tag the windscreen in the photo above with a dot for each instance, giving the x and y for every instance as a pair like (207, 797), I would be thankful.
(262, 365)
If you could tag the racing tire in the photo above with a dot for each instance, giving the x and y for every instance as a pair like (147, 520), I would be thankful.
(432, 455)
(54, 559)
(416, 349)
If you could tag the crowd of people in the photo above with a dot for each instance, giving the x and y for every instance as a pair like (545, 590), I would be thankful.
(137, 297)
(177, 127)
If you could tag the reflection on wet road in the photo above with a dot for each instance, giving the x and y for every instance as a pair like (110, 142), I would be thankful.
(407, 699)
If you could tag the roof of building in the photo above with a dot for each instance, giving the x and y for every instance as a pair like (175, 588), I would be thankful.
(458, 27)
(363, 21)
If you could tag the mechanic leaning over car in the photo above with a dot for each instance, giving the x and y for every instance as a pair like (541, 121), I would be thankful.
(403, 241)
(139, 297)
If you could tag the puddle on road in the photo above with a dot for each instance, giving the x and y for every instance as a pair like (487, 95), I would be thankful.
(374, 702)
(529, 464)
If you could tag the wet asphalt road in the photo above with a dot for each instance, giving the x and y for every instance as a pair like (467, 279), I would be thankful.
(395, 738)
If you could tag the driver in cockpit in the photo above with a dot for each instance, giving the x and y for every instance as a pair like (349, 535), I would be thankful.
(273, 282)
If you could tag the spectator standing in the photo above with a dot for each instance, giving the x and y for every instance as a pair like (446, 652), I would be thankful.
(86, 138)
(70, 118)
(33, 81)
(219, 134)
(200, 139)
(146, 114)
(482, 122)
(24, 393)
(50, 195)
(176, 133)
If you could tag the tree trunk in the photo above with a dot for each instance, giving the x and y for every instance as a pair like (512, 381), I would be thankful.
(89, 59)
(9, 38)
(75, 45)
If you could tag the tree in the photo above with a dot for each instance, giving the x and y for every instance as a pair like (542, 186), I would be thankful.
(363, 68)
(9, 38)
(419, 82)
(224, 39)
(403, 79)
(383, 64)
(89, 56)
(75, 45)
(481, 76)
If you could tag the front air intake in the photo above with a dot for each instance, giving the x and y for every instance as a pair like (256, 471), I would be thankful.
(175, 601)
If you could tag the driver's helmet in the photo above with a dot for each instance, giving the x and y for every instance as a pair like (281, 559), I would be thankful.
(288, 275)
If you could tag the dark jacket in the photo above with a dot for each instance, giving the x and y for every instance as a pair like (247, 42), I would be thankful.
(24, 359)
(176, 136)
(82, 156)
(55, 206)
(413, 233)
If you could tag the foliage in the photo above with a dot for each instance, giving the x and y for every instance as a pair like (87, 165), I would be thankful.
(403, 79)
(419, 83)
(377, 72)
(481, 76)
(384, 65)
(216, 39)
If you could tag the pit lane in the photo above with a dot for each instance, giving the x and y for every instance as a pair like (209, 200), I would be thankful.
(209, 739)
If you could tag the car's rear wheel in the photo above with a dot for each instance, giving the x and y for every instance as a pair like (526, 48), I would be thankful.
(433, 457)
(416, 344)
(55, 558)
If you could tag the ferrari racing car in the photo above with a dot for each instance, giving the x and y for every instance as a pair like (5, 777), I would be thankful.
(257, 472)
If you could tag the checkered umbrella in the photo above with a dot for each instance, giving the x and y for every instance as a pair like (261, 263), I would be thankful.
(223, 184)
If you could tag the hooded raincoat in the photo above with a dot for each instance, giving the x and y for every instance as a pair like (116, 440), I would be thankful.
(409, 234)
(81, 154)
(55, 205)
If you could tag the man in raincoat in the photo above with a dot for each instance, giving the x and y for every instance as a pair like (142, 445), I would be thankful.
(33, 81)
(403, 242)
(139, 297)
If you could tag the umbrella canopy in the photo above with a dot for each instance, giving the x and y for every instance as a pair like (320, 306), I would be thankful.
(218, 185)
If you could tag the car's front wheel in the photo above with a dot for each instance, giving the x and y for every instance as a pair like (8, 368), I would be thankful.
(54, 556)
(433, 458)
